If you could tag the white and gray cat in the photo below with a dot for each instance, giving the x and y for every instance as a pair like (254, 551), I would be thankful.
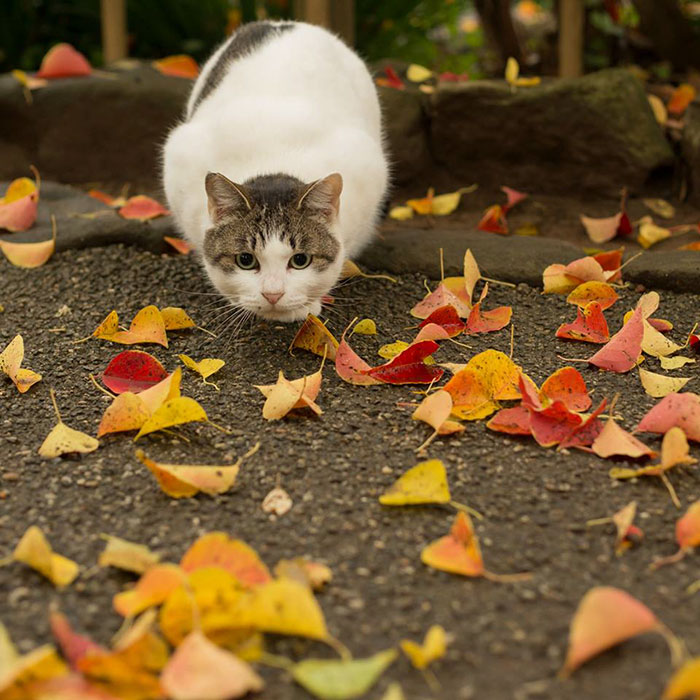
(278, 172)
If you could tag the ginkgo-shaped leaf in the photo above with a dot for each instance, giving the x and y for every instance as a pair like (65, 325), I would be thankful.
(434, 647)
(24, 673)
(682, 410)
(316, 338)
(235, 556)
(180, 245)
(173, 412)
(463, 287)
(73, 645)
(650, 233)
(616, 441)
(176, 319)
(64, 440)
(10, 364)
(180, 66)
(621, 352)
(440, 297)
(459, 553)
(333, 679)
(133, 370)
(156, 584)
(285, 395)
(435, 410)
(146, 327)
(200, 669)
(600, 292)
(424, 483)
(350, 367)
(606, 617)
(627, 533)
(63, 61)
(409, 367)
(365, 327)
(204, 368)
(438, 205)
(35, 551)
(685, 682)
(184, 480)
(590, 325)
(30, 255)
(675, 362)
(142, 208)
(659, 385)
(126, 555)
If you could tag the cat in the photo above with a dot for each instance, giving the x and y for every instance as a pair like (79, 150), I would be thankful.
(278, 171)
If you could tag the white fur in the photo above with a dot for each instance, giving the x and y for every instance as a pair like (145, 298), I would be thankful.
(302, 104)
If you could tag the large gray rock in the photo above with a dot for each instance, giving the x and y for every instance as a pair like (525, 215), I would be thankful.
(594, 133)
(106, 127)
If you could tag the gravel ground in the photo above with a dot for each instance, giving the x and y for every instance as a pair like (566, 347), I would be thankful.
(509, 639)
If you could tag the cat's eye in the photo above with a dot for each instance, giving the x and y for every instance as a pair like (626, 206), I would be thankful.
(299, 261)
(246, 261)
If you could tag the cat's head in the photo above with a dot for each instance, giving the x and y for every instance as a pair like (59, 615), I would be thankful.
(272, 248)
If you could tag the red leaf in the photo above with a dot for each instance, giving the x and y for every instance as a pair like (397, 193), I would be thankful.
(446, 317)
(514, 421)
(133, 370)
(351, 367)
(609, 261)
(553, 424)
(73, 646)
(142, 208)
(695, 342)
(590, 325)
(586, 433)
(63, 61)
(494, 220)
(567, 385)
(408, 366)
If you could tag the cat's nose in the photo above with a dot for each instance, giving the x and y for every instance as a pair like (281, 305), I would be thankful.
(273, 298)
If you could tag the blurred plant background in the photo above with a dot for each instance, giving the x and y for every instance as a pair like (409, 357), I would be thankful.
(445, 35)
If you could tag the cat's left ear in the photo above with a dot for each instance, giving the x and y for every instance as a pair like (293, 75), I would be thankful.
(225, 198)
(322, 197)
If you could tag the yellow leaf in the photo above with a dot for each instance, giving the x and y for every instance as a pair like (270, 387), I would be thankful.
(151, 589)
(658, 385)
(675, 362)
(147, 327)
(394, 692)
(659, 109)
(126, 555)
(401, 213)
(530, 81)
(657, 344)
(41, 664)
(10, 364)
(445, 204)
(176, 319)
(350, 269)
(183, 481)
(392, 349)
(650, 233)
(685, 682)
(314, 336)
(664, 209)
(205, 368)
(173, 412)
(434, 647)
(64, 440)
(418, 74)
(512, 70)
(424, 483)
(365, 327)
(35, 551)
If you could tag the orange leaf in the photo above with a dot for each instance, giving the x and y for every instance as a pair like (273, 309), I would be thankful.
(615, 441)
(438, 299)
(688, 527)
(567, 385)
(179, 66)
(605, 617)
(235, 556)
(180, 245)
(107, 199)
(494, 220)
(435, 409)
(142, 208)
(30, 255)
(316, 338)
(151, 589)
(681, 98)
(590, 325)
(458, 552)
(63, 61)
(587, 292)
(147, 327)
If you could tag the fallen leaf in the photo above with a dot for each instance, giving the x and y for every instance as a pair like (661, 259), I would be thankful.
(35, 551)
(18, 207)
(394, 692)
(487, 321)
(316, 338)
(332, 679)
(147, 327)
(494, 220)
(513, 421)
(310, 573)
(681, 98)
(106, 198)
(602, 230)
(142, 208)
(127, 412)
(659, 109)
(200, 669)
(650, 234)
(446, 318)
(562, 279)
(605, 617)
(435, 410)
(126, 555)
(568, 386)
(616, 441)
(11, 359)
(180, 245)
(64, 440)
(675, 362)
(664, 209)
(682, 410)
(590, 325)
(621, 352)
(73, 645)
(365, 327)
(440, 205)
(655, 343)
(424, 483)
(418, 74)
(30, 255)
(350, 367)
(600, 292)
(185, 481)
(235, 556)
(658, 385)
(173, 412)
(401, 213)
(285, 395)
(205, 368)
(350, 270)
(24, 673)
(176, 319)
(277, 502)
(438, 299)
(63, 61)
(156, 584)
(391, 80)
(408, 366)
(434, 647)
(513, 72)
(179, 66)
(623, 520)
(134, 371)
(685, 682)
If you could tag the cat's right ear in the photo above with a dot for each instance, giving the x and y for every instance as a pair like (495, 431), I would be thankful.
(225, 198)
